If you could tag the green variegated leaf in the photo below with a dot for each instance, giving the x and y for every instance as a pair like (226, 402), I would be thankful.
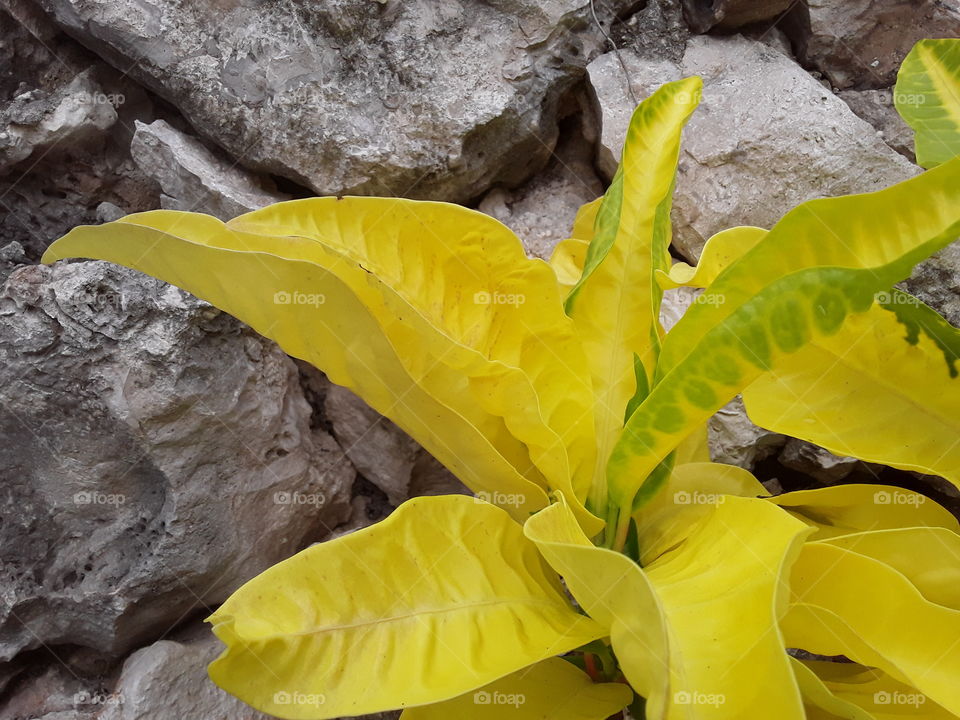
(791, 288)
(927, 95)
(884, 388)
(615, 303)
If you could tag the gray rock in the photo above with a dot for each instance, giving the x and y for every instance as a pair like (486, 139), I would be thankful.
(55, 692)
(734, 440)
(877, 108)
(937, 283)
(657, 30)
(193, 178)
(542, 211)
(156, 454)
(36, 122)
(423, 99)
(168, 679)
(815, 461)
(61, 184)
(378, 449)
(732, 14)
(12, 255)
(861, 43)
(765, 138)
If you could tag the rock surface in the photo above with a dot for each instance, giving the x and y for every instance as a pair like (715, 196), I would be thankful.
(735, 440)
(297, 91)
(815, 461)
(66, 120)
(877, 108)
(937, 283)
(36, 123)
(542, 211)
(861, 43)
(195, 179)
(732, 14)
(168, 679)
(765, 138)
(156, 455)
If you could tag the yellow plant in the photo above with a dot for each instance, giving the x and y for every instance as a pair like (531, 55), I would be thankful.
(552, 391)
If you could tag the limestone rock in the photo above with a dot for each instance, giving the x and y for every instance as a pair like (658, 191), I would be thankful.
(861, 43)
(193, 178)
(542, 211)
(37, 122)
(815, 461)
(877, 108)
(68, 119)
(732, 14)
(765, 138)
(168, 679)
(936, 282)
(356, 96)
(735, 440)
(156, 454)
(378, 449)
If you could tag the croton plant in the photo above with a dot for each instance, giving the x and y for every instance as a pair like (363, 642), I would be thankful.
(605, 563)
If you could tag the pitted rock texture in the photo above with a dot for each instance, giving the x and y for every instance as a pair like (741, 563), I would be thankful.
(765, 138)
(861, 43)
(156, 454)
(193, 177)
(703, 15)
(66, 120)
(541, 212)
(423, 99)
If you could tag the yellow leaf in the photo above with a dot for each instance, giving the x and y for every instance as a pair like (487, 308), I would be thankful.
(722, 592)
(467, 296)
(691, 492)
(893, 627)
(315, 316)
(879, 389)
(929, 557)
(695, 631)
(854, 692)
(846, 509)
(720, 251)
(550, 690)
(617, 594)
(402, 613)
(819, 700)
(567, 262)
